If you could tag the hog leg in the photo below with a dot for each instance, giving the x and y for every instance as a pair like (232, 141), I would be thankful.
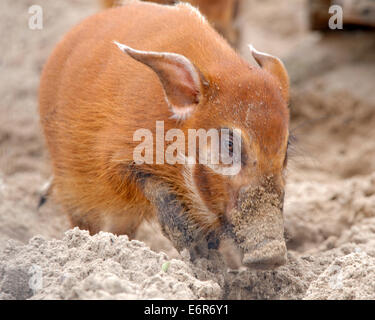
(174, 222)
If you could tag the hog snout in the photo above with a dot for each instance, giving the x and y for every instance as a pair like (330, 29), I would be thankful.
(258, 227)
(270, 254)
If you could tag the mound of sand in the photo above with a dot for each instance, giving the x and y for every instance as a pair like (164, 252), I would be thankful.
(100, 267)
(105, 266)
(348, 277)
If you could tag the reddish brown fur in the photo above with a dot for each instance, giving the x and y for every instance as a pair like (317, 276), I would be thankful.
(93, 97)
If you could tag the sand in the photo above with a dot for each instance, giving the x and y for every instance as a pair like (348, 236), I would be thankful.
(330, 197)
(100, 267)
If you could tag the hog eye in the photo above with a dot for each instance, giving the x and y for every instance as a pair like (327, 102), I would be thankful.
(231, 151)
(227, 143)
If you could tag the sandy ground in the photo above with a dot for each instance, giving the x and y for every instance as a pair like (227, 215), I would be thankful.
(330, 200)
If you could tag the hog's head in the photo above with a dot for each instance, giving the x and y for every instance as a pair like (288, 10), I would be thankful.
(241, 199)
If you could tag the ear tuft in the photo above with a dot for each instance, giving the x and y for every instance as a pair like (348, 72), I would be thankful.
(274, 66)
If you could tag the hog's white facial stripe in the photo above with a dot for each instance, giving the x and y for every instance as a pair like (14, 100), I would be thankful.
(206, 215)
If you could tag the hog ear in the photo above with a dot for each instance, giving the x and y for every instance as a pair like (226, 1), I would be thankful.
(274, 66)
(181, 80)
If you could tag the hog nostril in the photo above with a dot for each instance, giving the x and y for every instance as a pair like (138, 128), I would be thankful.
(269, 255)
(264, 262)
